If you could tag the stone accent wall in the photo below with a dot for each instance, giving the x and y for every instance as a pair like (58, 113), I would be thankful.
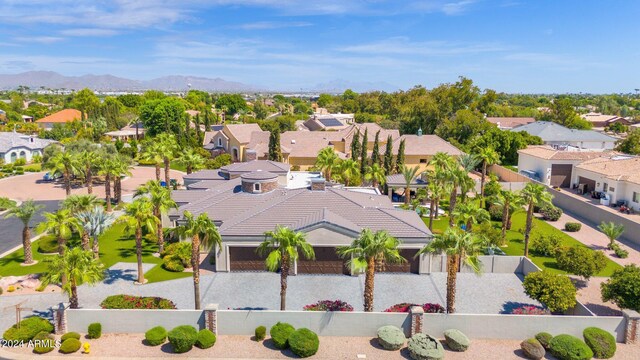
(417, 313)
(632, 333)
(266, 186)
(211, 318)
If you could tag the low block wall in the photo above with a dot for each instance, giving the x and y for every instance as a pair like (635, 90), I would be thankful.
(132, 321)
(490, 264)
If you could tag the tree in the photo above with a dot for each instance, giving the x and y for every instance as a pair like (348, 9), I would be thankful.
(400, 157)
(202, 232)
(375, 154)
(233, 103)
(25, 213)
(87, 161)
(508, 200)
(460, 248)
(281, 248)
(76, 265)
(388, 156)
(409, 175)
(122, 165)
(612, 231)
(109, 168)
(630, 144)
(95, 222)
(275, 153)
(581, 261)
(326, 161)
(623, 288)
(87, 102)
(435, 189)
(470, 213)
(469, 161)
(364, 253)
(364, 160)
(80, 203)
(375, 174)
(162, 202)
(349, 170)
(167, 148)
(139, 215)
(355, 144)
(555, 291)
(488, 157)
(66, 163)
(151, 155)
(60, 224)
(533, 195)
(163, 116)
(191, 160)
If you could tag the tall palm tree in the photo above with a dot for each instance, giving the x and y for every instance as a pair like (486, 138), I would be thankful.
(375, 174)
(327, 160)
(25, 213)
(203, 232)
(533, 195)
(508, 200)
(95, 222)
(77, 204)
(283, 247)
(409, 175)
(150, 154)
(488, 156)
(161, 200)
(87, 161)
(66, 163)
(470, 213)
(365, 251)
(168, 149)
(459, 247)
(454, 177)
(139, 215)
(612, 230)
(191, 160)
(123, 168)
(76, 265)
(110, 168)
(61, 224)
(349, 169)
(435, 190)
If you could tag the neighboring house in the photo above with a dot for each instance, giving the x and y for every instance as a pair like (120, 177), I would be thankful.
(232, 139)
(329, 122)
(60, 117)
(419, 149)
(27, 118)
(601, 121)
(506, 123)
(235, 170)
(246, 206)
(618, 177)
(129, 132)
(14, 146)
(557, 135)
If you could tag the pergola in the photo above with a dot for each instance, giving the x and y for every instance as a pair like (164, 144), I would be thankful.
(396, 181)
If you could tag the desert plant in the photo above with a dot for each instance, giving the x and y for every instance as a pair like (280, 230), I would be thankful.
(25, 213)
(44, 342)
(329, 305)
(530, 310)
(172, 264)
(205, 339)
(581, 261)
(280, 333)
(156, 336)
(428, 308)
(551, 213)
(544, 338)
(94, 331)
(70, 335)
(533, 195)
(182, 338)
(620, 252)
(555, 291)
(260, 333)
(623, 288)
(304, 342)
(567, 347)
(572, 226)
(601, 342)
(70, 346)
(28, 329)
(612, 231)
(136, 302)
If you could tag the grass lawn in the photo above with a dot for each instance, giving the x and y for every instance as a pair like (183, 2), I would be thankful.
(115, 246)
(34, 167)
(515, 242)
(175, 166)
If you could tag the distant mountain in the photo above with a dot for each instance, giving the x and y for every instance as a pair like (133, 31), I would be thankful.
(340, 85)
(53, 80)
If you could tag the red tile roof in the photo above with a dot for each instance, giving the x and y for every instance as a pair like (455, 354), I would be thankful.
(63, 116)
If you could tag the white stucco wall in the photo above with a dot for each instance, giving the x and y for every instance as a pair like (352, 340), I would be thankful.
(543, 166)
(28, 154)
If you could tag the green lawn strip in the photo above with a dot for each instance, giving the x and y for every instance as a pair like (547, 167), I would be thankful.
(35, 167)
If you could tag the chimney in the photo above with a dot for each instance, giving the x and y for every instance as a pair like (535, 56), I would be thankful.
(420, 132)
(250, 155)
(318, 184)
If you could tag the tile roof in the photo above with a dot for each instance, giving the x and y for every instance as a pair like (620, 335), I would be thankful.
(424, 145)
(205, 184)
(204, 175)
(242, 132)
(549, 153)
(550, 131)
(259, 175)
(256, 165)
(600, 118)
(62, 116)
(510, 122)
(13, 140)
(622, 168)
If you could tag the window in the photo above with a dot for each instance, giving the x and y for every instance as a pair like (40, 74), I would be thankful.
(605, 187)
(612, 189)
(636, 197)
(423, 161)
(256, 187)
(219, 141)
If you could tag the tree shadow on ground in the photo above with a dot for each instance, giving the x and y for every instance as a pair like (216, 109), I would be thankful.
(117, 274)
(286, 352)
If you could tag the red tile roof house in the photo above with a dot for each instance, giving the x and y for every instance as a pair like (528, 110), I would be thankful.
(61, 117)
(244, 205)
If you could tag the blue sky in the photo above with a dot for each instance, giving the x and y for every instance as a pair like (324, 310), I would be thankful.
(507, 45)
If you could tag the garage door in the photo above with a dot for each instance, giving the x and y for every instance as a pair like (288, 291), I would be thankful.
(326, 262)
(411, 266)
(245, 259)
(591, 184)
(561, 175)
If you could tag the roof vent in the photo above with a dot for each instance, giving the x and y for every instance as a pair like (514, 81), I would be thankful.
(293, 141)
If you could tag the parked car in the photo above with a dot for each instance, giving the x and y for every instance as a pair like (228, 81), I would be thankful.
(51, 176)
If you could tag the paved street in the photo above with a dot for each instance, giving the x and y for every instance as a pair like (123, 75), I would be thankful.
(11, 229)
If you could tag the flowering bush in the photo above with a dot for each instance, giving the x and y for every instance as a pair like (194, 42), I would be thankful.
(329, 305)
(530, 310)
(136, 302)
(428, 308)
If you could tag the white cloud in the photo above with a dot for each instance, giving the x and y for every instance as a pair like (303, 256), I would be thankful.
(89, 32)
(267, 25)
(403, 46)
(39, 39)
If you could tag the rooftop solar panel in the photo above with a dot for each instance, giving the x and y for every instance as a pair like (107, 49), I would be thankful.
(330, 122)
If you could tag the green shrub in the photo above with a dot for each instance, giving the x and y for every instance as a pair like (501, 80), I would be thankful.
(551, 213)
(94, 331)
(581, 261)
(601, 342)
(545, 244)
(171, 264)
(304, 342)
(218, 162)
(70, 346)
(567, 347)
(260, 333)
(206, 339)
(623, 288)
(156, 336)
(555, 291)
(44, 342)
(182, 338)
(544, 338)
(29, 328)
(20, 162)
(70, 335)
(6, 203)
(495, 212)
(136, 302)
(572, 226)
(280, 333)
(47, 245)
(178, 251)
(620, 252)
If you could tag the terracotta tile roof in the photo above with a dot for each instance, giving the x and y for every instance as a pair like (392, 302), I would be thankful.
(510, 122)
(62, 116)
(424, 145)
(548, 153)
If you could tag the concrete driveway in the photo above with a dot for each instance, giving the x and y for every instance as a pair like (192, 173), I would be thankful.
(11, 229)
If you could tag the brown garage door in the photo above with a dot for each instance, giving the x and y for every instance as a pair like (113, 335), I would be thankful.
(412, 265)
(561, 175)
(326, 262)
(591, 184)
(245, 259)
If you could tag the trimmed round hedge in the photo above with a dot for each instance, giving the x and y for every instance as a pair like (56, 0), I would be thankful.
(260, 333)
(532, 349)
(156, 336)
(182, 338)
(304, 342)
(572, 226)
(601, 342)
(70, 345)
(94, 331)
(44, 343)
(29, 328)
(280, 333)
(70, 335)
(567, 347)
(544, 338)
(206, 339)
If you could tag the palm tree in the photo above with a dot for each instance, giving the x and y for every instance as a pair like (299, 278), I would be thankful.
(349, 169)
(77, 204)
(87, 161)
(161, 199)
(123, 168)
(191, 160)
(66, 163)
(454, 177)
(76, 265)
(489, 157)
(363, 254)
(508, 200)
(110, 168)
(25, 213)
(95, 222)
(612, 230)
(202, 231)
(375, 174)
(167, 148)
(282, 247)
(61, 224)
(533, 195)
(409, 175)
(469, 213)
(150, 154)
(460, 247)
(435, 189)
(327, 160)
(139, 215)
(469, 161)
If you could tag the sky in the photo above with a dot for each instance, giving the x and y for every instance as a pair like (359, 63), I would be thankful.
(518, 46)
